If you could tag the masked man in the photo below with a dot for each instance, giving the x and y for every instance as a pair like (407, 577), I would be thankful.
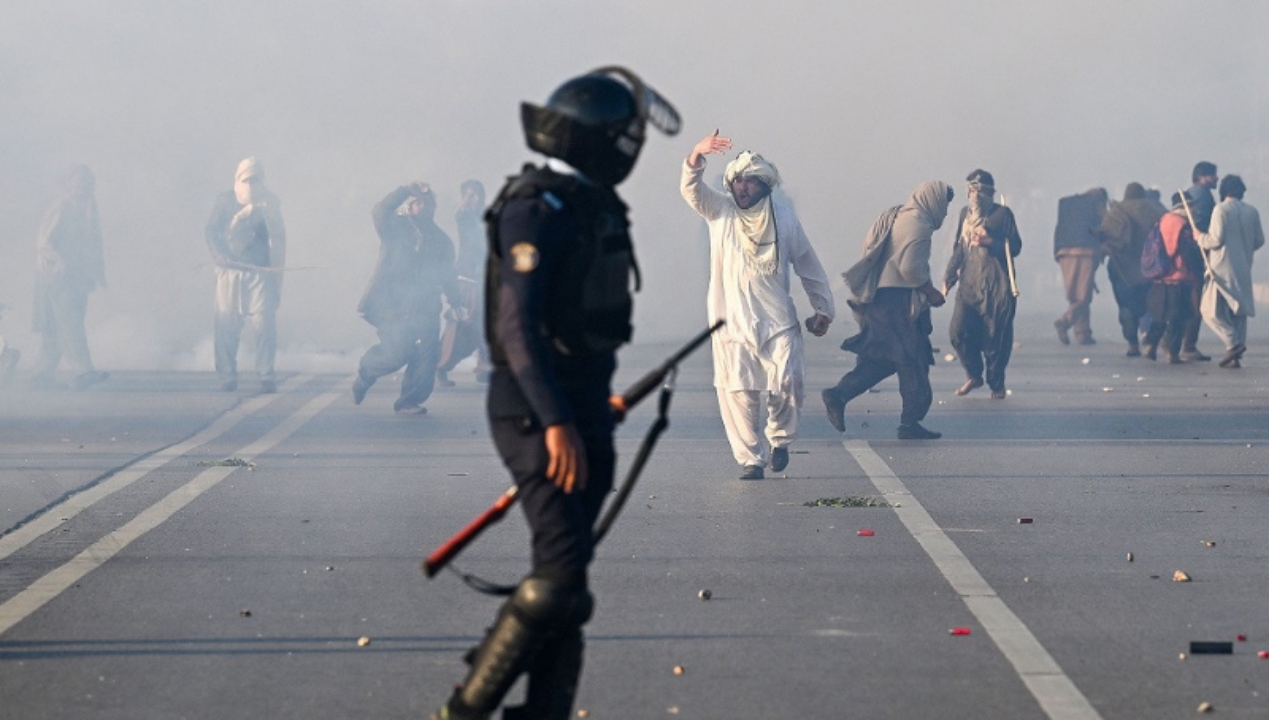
(1202, 205)
(892, 296)
(69, 266)
(1233, 237)
(755, 240)
(248, 246)
(403, 300)
(982, 322)
(557, 306)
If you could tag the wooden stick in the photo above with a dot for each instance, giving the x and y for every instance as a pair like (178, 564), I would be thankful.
(1013, 275)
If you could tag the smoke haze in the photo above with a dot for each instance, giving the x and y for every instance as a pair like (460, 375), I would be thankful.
(856, 103)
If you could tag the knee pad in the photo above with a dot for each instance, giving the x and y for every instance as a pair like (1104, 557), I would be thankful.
(549, 604)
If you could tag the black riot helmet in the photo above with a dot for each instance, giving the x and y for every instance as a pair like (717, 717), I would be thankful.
(596, 122)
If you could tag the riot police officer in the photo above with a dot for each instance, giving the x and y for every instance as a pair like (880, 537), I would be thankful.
(557, 306)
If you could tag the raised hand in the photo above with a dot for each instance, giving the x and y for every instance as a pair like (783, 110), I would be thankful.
(712, 145)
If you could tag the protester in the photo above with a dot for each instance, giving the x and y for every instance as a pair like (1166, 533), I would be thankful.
(463, 334)
(892, 295)
(1122, 235)
(69, 265)
(1234, 235)
(403, 299)
(982, 320)
(1078, 253)
(1202, 204)
(755, 240)
(1169, 298)
(248, 245)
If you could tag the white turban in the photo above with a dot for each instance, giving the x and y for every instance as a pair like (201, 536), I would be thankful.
(751, 164)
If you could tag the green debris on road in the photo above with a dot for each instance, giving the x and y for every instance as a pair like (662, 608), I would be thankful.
(848, 502)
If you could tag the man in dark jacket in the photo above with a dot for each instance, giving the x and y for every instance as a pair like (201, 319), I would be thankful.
(1077, 251)
(462, 335)
(1123, 233)
(403, 301)
(1202, 203)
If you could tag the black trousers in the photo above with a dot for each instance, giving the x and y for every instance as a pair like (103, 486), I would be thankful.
(1171, 309)
(561, 524)
(1131, 300)
(914, 384)
(984, 342)
(414, 344)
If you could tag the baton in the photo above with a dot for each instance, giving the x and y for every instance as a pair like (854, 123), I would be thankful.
(442, 555)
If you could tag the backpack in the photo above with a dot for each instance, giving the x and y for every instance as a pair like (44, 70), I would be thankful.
(1155, 261)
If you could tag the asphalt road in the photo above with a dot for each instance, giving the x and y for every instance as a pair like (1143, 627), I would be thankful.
(142, 577)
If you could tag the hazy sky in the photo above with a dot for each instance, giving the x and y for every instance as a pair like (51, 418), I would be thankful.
(856, 103)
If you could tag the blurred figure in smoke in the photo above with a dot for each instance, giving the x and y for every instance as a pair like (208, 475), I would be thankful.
(1234, 235)
(248, 244)
(1078, 253)
(982, 322)
(1169, 299)
(463, 334)
(1123, 234)
(1202, 205)
(755, 241)
(69, 265)
(892, 294)
(9, 356)
(403, 300)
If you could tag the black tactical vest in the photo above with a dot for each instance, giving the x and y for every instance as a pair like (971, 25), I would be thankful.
(589, 300)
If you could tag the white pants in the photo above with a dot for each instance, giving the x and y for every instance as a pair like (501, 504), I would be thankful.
(244, 296)
(781, 362)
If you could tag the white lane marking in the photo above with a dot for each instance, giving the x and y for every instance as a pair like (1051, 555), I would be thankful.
(20, 606)
(81, 501)
(1052, 689)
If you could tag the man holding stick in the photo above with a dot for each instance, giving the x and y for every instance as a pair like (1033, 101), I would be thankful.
(982, 322)
(558, 305)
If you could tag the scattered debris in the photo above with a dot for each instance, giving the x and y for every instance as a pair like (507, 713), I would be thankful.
(1240, 637)
(1210, 647)
(244, 613)
(1145, 394)
(227, 462)
(705, 594)
(1182, 656)
(1026, 579)
(959, 631)
(1141, 378)
(456, 474)
(1086, 361)
(583, 712)
(1209, 543)
(678, 670)
(1025, 520)
(1129, 557)
(1205, 707)
(849, 501)
(949, 357)
(1180, 576)
(363, 641)
(1108, 389)
(1263, 654)
(329, 568)
(672, 710)
(865, 533)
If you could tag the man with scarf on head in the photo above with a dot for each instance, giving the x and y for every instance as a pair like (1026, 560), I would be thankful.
(982, 321)
(1202, 205)
(69, 265)
(248, 245)
(403, 299)
(892, 296)
(1122, 235)
(754, 241)
(1169, 300)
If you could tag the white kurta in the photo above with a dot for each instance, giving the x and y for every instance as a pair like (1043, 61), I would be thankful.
(756, 306)
(759, 351)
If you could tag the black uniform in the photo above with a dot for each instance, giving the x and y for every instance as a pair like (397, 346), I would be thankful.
(558, 305)
(982, 321)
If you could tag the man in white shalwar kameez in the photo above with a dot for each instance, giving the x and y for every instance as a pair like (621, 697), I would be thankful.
(1235, 233)
(754, 241)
